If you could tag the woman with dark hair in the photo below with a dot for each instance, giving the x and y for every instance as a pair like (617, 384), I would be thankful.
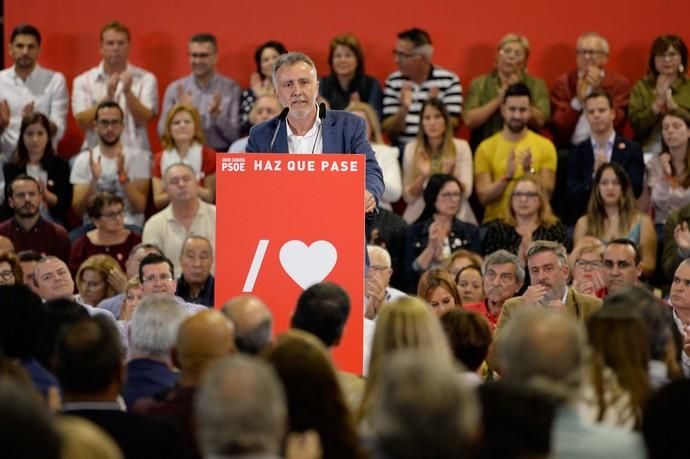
(36, 157)
(470, 283)
(438, 232)
(314, 397)
(438, 289)
(612, 214)
(261, 81)
(10, 269)
(666, 87)
(347, 81)
(435, 151)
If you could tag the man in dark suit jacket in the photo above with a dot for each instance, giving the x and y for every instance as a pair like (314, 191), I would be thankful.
(89, 366)
(305, 128)
(603, 146)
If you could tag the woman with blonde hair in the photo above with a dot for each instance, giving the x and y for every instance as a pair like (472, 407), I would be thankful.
(587, 267)
(82, 439)
(460, 259)
(435, 151)
(97, 279)
(183, 142)
(437, 287)
(407, 323)
(386, 155)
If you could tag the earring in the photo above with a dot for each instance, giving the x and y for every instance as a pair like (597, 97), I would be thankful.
(681, 69)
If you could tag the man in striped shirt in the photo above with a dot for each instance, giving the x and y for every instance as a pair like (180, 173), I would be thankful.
(416, 80)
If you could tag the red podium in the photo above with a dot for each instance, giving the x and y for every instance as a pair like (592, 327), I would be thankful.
(286, 222)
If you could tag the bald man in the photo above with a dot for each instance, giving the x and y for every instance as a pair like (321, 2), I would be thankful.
(253, 323)
(201, 339)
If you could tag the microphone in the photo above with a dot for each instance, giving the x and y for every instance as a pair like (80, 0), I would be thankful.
(322, 115)
(281, 118)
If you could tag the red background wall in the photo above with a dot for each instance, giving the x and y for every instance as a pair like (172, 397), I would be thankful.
(464, 34)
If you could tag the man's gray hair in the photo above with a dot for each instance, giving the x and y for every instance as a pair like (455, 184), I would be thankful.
(557, 249)
(423, 408)
(543, 349)
(377, 249)
(154, 326)
(604, 41)
(185, 165)
(199, 237)
(291, 58)
(240, 408)
(501, 257)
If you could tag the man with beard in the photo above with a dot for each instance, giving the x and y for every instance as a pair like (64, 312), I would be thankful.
(511, 153)
(548, 269)
(28, 230)
(680, 302)
(111, 166)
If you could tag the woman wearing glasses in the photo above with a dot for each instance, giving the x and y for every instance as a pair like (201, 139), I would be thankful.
(587, 268)
(529, 218)
(11, 272)
(665, 87)
(110, 237)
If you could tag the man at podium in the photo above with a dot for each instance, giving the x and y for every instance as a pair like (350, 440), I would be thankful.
(303, 127)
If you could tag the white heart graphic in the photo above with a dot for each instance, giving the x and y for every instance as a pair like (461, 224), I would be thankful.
(308, 265)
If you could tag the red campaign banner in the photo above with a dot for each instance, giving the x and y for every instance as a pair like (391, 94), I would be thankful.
(286, 222)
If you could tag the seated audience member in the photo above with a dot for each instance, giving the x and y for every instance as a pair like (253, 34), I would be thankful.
(133, 295)
(183, 142)
(666, 87)
(613, 214)
(21, 320)
(215, 97)
(504, 277)
(389, 230)
(98, 277)
(516, 422)
(89, 366)
(510, 153)
(377, 289)
(25, 420)
(28, 88)
(201, 340)
(111, 165)
(568, 94)
(386, 156)
(422, 410)
(57, 314)
(152, 334)
(622, 265)
(680, 304)
(668, 173)
(547, 350)
(437, 232)
(407, 323)
(261, 81)
(462, 258)
(36, 157)
(586, 263)
(138, 252)
(266, 106)
(28, 230)
(469, 336)
(347, 81)
(83, 439)
(314, 397)
(438, 289)
(665, 421)
(415, 81)
(109, 237)
(196, 283)
(253, 323)
(603, 146)
(115, 80)
(6, 244)
(482, 114)
(528, 218)
(11, 272)
(186, 214)
(547, 265)
(618, 384)
(470, 284)
(27, 261)
(157, 276)
(435, 151)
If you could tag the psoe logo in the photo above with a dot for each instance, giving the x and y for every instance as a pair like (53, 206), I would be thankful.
(233, 165)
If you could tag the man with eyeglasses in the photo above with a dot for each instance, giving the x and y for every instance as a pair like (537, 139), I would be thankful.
(157, 277)
(186, 215)
(680, 302)
(115, 79)
(621, 265)
(28, 230)
(215, 96)
(111, 166)
(416, 80)
(570, 90)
